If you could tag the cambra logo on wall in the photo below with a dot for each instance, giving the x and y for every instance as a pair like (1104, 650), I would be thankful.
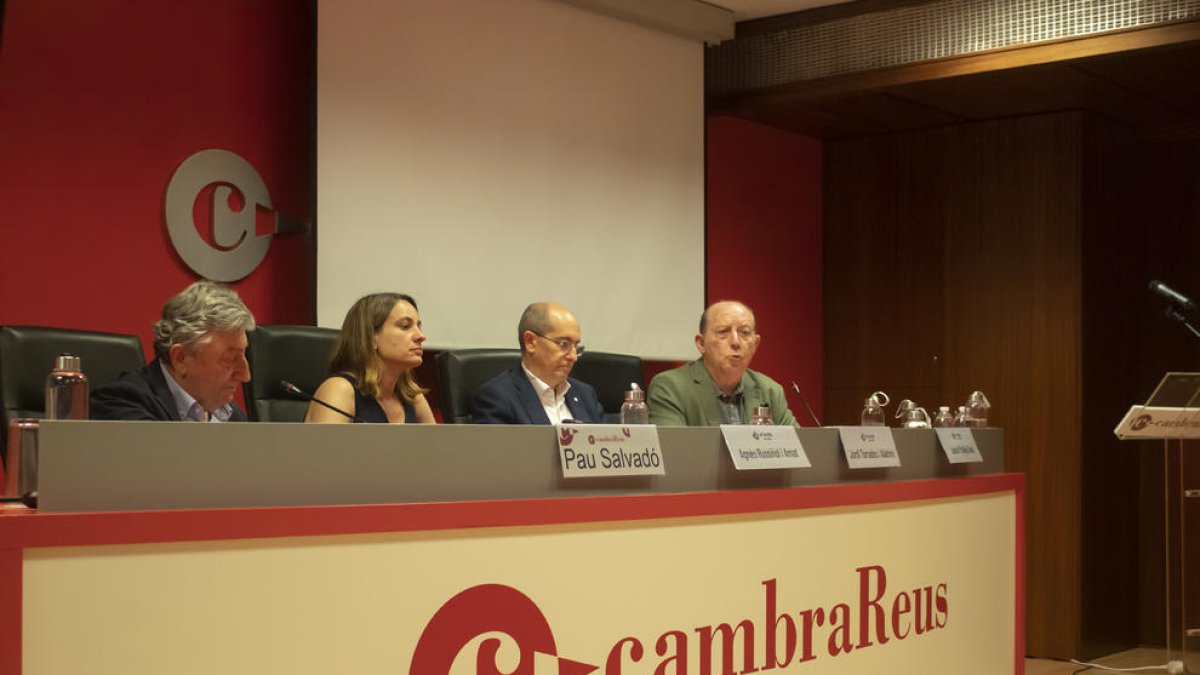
(474, 632)
(236, 248)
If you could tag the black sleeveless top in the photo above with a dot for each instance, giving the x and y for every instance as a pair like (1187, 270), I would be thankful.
(367, 409)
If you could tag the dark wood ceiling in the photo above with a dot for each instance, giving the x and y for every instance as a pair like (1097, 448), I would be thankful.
(1154, 90)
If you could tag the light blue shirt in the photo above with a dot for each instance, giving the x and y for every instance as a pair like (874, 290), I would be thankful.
(189, 408)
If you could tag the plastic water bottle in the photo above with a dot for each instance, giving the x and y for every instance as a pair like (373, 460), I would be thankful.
(66, 390)
(944, 418)
(872, 414)
(977, 409)
(634, 409)
(963, 418)
(762, 415)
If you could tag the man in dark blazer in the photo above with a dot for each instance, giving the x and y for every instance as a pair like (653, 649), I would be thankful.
(200, 343)
(540, 389)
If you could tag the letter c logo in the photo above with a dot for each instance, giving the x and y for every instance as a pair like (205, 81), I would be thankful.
(236, 248)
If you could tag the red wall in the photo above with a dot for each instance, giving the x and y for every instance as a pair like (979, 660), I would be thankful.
(764, 245)
(100, 101)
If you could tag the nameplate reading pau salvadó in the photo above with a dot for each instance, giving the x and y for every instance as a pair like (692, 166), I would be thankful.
(587, 450)
(869, 447)
(764, 446)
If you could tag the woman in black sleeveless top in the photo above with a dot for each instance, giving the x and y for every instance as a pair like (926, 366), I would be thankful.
(372, 363)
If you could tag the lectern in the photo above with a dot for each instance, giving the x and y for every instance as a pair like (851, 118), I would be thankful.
(1172, 414)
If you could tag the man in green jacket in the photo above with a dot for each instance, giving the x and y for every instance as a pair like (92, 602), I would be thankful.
(719, 387)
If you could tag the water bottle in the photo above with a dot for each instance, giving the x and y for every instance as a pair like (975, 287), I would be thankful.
(977, 409)
(634, 410)
(944, 418)
(962, 419)
(872, 414)
(762, 415)
(21, 464)
(66, 390)
(911, 415)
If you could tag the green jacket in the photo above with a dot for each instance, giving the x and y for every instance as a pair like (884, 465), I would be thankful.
(686, 396)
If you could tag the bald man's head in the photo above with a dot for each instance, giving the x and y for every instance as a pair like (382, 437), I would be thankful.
(550, 338)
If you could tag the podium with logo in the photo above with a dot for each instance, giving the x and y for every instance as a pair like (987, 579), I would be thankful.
(380, 549)
(1172, 415)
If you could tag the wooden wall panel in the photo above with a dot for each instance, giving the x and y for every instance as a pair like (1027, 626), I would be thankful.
(1013, 264)
(1020, 218)
(883, 296)
(1115, 278)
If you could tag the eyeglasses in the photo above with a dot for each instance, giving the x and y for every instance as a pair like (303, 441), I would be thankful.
(563, 343)
(725, 332)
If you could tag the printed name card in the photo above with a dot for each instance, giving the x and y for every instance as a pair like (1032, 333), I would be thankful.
(764, 446)
(586, 450)
(959, 445)
(869, 447)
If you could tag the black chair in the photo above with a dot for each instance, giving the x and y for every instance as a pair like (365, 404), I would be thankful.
(462, 371)
(611, 375)
(27, 355)
(298, 354)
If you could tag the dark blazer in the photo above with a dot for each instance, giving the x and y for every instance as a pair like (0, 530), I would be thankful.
(509, 398)
(141, 395)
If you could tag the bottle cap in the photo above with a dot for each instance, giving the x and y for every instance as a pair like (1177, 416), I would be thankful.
(66, 362)
(763, 410)
(635, 393)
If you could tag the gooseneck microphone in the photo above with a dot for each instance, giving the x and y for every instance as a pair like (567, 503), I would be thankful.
(297, 391)
(813, 415)
(1177, 304)
(1180, 300)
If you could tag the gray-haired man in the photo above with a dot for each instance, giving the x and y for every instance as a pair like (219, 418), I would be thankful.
(200, 343)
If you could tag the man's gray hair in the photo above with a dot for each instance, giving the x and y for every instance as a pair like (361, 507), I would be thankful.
(202, 308)
(536, 318)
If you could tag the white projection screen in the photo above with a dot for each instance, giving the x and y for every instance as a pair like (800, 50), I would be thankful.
(483, 154)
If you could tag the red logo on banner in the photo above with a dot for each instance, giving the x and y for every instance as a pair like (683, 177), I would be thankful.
(493, 618)
(490, 608)
(566, 435)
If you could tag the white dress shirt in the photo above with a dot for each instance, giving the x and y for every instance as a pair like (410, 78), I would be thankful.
(554, 402)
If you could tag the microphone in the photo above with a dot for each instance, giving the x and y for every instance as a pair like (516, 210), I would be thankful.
(297, 391)
(1179, 299)
(796, 388)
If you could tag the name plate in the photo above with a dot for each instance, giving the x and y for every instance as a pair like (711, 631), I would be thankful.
(869, 447)
(959, 445)
(587, 450)
(764, 446)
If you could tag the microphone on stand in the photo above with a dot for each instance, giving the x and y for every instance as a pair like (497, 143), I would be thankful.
(297, 391)
(1179, 299)
(1177, 304)
(813, 415)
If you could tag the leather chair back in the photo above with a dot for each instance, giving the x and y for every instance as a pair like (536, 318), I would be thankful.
(462, 371)
(611, 375)
(27, 355)
(298, 354)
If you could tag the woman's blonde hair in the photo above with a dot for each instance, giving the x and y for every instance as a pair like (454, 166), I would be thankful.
(354, 354)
